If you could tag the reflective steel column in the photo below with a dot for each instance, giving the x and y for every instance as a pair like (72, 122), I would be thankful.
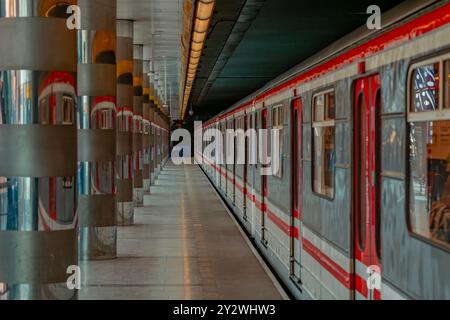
(125, 205)
(152, 132)
(138, 99)
(155, 123)
(97, 130)
(165, 139)
(38, 153)
(158, 142)
(146, 126)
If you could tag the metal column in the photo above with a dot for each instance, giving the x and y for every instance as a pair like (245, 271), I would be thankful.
(152, 132)
(158, 142)
(146, 127)
(138, 99)
(38, 167)
(97, 130)
(125, 205)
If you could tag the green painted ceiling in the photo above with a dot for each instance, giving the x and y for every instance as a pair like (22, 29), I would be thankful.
(283, 34)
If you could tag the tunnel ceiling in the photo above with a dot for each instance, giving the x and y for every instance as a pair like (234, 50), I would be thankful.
(251, 42)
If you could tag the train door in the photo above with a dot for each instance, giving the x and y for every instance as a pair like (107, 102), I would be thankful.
(217, 153)
(366, 175)
(251, 175)
(245, 168)
(234, 127)
(227, 165)
(296, 165)
(224, 163)
(264, 124)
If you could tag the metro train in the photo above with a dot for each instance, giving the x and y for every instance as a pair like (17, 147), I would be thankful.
(360, 208)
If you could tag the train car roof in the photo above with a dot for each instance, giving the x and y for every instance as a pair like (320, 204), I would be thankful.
(391, 18)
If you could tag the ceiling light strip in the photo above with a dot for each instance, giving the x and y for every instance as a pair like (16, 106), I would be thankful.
(202, 19)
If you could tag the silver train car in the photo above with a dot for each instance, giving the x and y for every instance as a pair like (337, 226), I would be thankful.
(360, 208)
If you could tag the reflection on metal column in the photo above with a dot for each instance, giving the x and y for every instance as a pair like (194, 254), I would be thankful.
(97, 129)
(125, 206)
(158, 141)
(38, 150)
(146, 126)
(152, 131)
(138, 192)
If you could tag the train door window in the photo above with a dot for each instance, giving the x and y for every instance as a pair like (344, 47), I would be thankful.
(361, 187)
(429, 151)
(323, 143)
(278, 124)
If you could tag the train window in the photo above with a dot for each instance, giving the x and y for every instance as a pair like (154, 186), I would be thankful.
(323, 143)
(425, 88)
(429, 152)
(278, 123)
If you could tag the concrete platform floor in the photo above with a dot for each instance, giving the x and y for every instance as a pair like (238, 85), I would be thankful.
(183, 246)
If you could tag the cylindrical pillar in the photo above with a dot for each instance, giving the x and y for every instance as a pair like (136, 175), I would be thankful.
(158, 140)
(165, 141)
(38, 150)
(138, 99)
(124, 197)
(146, 126)
(97, 130)
(152, 132)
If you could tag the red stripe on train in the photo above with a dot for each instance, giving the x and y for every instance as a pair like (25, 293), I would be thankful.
(332, 267)
(326, 262)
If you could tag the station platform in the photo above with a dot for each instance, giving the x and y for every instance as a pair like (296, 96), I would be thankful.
(184, 245)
